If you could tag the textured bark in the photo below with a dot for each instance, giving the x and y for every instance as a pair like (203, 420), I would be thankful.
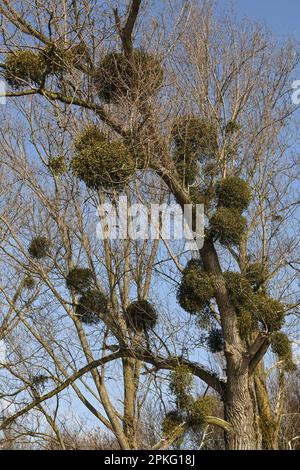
(131, 369)
(269, 419)
(240, 413)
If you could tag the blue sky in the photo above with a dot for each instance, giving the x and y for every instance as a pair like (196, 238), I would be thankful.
(282, 16)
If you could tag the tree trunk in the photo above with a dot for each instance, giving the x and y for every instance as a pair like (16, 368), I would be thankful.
(269, 420)
(130, 388)
(240, 413)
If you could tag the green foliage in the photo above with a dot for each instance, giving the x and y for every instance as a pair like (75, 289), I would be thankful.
(40, 381)
(92, 304)
(170, 422)
(289, 365)
(181, 383)
(233, 193)
(228, 225)
(57, 165)
(200, 408)
(172, 419)
(192, 411)
(231, 127)
(256, 273)
(281, 345)
(239, 289)
(247, 322)
(79, 279)
(61, 56)
(29, 282)
(269, 311)
(140, 75)
(39, 247)
(187, 168)
(141, 315)
(23, 68)
(252, 306)
(195, 139)
(195, 136)
(242, 298)
(215, 340)
(196, 288)
(198, 196)
(26, 67)
(101, 163)
(90, 136)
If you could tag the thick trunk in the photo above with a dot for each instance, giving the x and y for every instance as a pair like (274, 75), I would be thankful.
(130, 387)
(240, 413)
(239, 403)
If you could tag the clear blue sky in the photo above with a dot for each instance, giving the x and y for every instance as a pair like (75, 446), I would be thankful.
(282, 16)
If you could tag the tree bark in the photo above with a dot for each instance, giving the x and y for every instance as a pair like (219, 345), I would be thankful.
(239, 409)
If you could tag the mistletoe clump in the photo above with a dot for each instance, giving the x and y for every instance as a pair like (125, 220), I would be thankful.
(256, 273)
(58, 57)
(228, 225)
(181, 383)
(192, 411)
(215, 340)
(26, 67)
(194, 140)
(281, 345)
(198, 196)
(29, 282)
(253, 306)
(196, 288)
(195, 136)
(39, 247)
(232, 126)
(101, 163)
(239, 289)
(91, 306)
(247, 322)
(200, 408)
(79, 279)
(187, 167)
(243, 299)
(269, 311)
(171, 420)
(40, 381)
(23, 68)
(138, 75)
(141, 315)
(233, 193)
(57, 165)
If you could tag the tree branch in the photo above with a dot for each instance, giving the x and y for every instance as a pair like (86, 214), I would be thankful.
(170, 363)
(126, 31)
(258, 355)
(72, 100)
(62, 386)
(255, 347)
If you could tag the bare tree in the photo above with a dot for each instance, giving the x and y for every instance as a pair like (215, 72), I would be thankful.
(186, 106)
